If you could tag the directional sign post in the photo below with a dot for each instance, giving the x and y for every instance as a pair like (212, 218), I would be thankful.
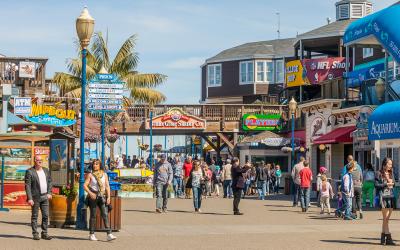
(105, 95)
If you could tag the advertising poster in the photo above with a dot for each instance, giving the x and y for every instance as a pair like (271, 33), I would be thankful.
(15, 195)
(16, 163)
(27, 69)
(58, 154)
(295, 74)
(43, 153)
(322, 69)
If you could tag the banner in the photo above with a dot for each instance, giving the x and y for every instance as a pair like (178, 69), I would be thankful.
(323, 69)
(255, 122)
(27, 70)
(295, 74)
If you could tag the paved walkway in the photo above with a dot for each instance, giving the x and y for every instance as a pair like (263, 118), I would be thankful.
(271, 224)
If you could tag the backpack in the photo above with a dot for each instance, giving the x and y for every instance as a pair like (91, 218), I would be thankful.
(263, 175)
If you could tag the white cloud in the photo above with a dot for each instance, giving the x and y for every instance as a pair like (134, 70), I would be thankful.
(186, 63)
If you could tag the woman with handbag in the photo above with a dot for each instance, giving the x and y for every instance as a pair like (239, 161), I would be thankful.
(384, 184)
(195, 182)
(98, 189)
(238, 183)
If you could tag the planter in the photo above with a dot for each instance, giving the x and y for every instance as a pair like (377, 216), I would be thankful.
(62, 211)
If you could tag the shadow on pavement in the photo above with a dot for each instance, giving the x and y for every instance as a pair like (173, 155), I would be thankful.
(14, 236)
(140, 211)
(322, 218)
(278, 206)
(15, 223)
(283, 210)
(351, 242)
(69, 238)
(190, 212)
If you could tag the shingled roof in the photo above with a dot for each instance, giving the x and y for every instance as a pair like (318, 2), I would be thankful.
(263, 49)
(330, 30)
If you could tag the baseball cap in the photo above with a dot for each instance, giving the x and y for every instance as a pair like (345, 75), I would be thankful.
(163, 156)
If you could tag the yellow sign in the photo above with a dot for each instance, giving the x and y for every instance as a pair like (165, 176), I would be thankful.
(51, 115)
(294, 74)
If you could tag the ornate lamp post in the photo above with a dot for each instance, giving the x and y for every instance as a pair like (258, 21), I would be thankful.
(380, 89)
(292, 108)
(84, 29)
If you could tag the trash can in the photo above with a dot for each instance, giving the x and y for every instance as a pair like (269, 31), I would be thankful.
(288, 185)
(114, 216)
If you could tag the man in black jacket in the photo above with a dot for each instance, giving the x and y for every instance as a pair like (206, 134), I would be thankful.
(238, 183)
(38, 191)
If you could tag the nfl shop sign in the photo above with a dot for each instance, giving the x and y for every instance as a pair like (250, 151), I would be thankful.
(176, 118)
(323, 69)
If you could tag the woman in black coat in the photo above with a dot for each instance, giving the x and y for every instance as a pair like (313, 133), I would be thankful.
(238, 182)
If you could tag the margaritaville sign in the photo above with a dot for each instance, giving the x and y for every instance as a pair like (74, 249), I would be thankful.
(261, 122)
(51, 115)
(176, 118)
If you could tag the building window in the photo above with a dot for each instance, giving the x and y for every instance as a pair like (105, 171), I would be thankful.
(280, 71)
(265, 71)
(357, 10)
(214, 75)
(368, 52)
(247, 72)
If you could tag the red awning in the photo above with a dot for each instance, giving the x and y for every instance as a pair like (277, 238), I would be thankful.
(338, 135)
(298, 134)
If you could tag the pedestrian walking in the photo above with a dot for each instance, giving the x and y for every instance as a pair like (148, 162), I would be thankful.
(347, 191)
(357, 176)
(296, 180)
(322, 171)
(238, 183)
(261, 180)
(227, 179)
(38, 186)
(326, 193)
(384, 184)
(177, 168)
(163, 175)
(305, 186)
(98, 189)
(207, 179)
(187, 169)
(195, 181)
(368, 186)
(217, 180)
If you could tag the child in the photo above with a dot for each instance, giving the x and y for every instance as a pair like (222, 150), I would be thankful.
(326, 193)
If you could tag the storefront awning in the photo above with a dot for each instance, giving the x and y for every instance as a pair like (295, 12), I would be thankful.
(339, 135)
(378, 28)
(384, 122)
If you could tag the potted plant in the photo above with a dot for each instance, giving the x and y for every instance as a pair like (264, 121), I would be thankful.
(157, 147)
(63, 206)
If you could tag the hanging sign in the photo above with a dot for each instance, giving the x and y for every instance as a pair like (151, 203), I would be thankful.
(105, 93)
(322, 69)
(295, 74)
(27, 69)
(269, 122)
(51, 115)
(176, 118)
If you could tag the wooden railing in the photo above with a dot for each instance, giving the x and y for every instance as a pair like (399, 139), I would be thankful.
(210, 112)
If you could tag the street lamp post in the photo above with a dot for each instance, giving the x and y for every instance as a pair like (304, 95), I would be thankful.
(151, 138)
(84, 29)
(292, 108)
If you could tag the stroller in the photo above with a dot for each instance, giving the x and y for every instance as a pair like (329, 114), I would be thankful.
(339, 212)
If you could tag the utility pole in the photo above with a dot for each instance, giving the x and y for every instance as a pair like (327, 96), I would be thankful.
(279, 25)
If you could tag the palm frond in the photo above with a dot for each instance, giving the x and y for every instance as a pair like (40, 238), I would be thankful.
(134, 80)
(100, 50)
(66, 82)
(75, 67)
(146, 95)
(76, 93)
(126, 58)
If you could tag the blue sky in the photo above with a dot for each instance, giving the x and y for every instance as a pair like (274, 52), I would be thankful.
(175, 36)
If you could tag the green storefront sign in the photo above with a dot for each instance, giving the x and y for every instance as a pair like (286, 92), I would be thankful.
(253, 122)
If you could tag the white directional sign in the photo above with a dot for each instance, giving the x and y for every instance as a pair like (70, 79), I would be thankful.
(106, 85)
(104, 107)
(106, 96)
(106, 91)
(105, 101)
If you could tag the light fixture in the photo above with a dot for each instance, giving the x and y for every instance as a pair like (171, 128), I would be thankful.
(323, 148)
(84, 27)
(380, 88)
(292, 105)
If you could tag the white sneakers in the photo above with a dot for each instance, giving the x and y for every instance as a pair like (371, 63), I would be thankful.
(110, 237)
(92, 237)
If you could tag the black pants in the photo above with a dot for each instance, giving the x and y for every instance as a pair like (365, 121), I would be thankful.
(357, 200)
(104, 214)
(237, 194)
(43, 205)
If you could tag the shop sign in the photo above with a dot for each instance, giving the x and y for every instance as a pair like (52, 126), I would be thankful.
(384, 130)
(364, 145)
(295, 74)
(269, 122)
(322, 69)
(318, 128)
(51, 115)
(176, 118)
(27, 69)
(370, 71)
(22, 105)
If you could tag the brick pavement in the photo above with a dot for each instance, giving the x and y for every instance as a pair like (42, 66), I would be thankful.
(271, 224)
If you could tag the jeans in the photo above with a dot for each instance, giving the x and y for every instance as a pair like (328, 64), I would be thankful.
(262, 189)
(246, 187)
(347, 201)
(162, 196)
(305, 197)
(356, 201)
(208, 188)
(325, 203)
(277, 184)
(296, 194)
(227, 188)
(368, 189)
(43, 205)
(104, 214)
(237, 194)
(197, 197)
(178, 186)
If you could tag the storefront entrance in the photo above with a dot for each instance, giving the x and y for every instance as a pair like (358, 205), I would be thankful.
(282, 161)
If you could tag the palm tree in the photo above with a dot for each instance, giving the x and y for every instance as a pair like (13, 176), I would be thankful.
(124, 66)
